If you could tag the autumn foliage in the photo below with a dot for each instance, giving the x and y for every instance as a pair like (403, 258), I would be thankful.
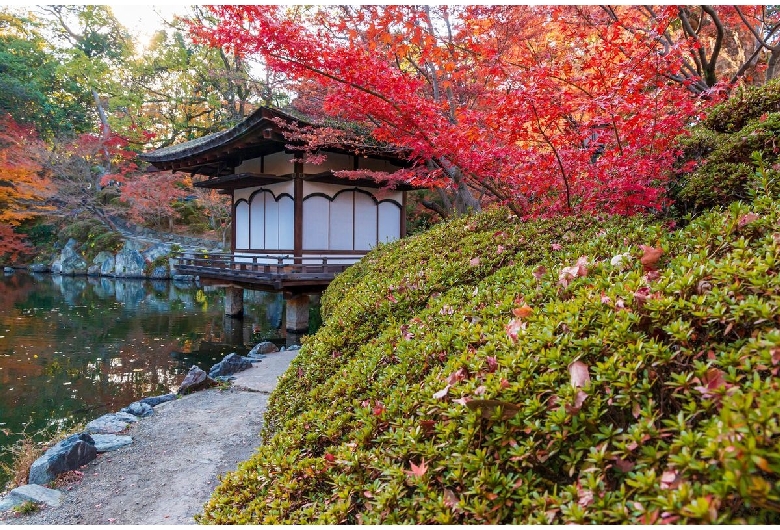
(23, 183)
(547, 109)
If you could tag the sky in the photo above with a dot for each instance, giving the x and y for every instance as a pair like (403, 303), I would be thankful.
(143, 20)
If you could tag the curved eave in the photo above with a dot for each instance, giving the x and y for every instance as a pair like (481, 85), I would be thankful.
(204, 155)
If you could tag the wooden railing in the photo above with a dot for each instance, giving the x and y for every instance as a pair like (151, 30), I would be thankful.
(266, 269)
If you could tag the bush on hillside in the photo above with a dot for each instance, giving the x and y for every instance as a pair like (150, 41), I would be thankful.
(555, 371)
(718, 155)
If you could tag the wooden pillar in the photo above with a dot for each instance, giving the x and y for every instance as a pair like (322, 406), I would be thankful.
(297, 313)
(234, 302)
(403, 214)
(298, 211)
(233, 220)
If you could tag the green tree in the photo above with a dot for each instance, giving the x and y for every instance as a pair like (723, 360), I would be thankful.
(31, 88)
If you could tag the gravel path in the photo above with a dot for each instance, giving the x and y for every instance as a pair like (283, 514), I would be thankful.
(174, 463)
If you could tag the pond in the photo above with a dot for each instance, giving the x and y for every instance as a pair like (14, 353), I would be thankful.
(74, 348)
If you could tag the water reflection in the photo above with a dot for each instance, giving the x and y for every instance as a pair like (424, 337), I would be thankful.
(74, 348)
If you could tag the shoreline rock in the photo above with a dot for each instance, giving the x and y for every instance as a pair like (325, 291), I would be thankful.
(67, 455)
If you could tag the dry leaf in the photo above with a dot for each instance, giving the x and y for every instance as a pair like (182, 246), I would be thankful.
(703, 287)
(417, 471)
(451, 500)
(539, 272)
(650, 257)
(474, 261)
(579, 269)
(624, 465)
(523, 311)
(492, 363)
(747, 219)
(458, 375)
(513, 328)
(579, 374)
(441, 393)
(669, 479)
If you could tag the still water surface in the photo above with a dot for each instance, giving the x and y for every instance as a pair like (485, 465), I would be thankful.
(72, 349)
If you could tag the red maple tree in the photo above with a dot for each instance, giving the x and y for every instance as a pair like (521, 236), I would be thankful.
(547, 109)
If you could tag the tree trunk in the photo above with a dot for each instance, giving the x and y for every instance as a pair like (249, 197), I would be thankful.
(106, 134)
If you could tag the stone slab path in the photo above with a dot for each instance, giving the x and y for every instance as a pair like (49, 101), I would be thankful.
(170, 470)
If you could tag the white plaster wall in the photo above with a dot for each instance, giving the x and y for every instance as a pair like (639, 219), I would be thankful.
(331, 189)
(252, 165)
(277, 188)
(279, 163)
(242, 224)
(365, 222)
(286, 223)
(316, 219)
(333, 162)
(256, 222)
(342, 223)
(389, 222)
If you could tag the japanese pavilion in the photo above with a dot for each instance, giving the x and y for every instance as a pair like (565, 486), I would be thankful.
(295, 225)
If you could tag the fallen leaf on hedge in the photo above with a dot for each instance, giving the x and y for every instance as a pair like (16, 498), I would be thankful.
(451, 500)
(584, 497)
(669, 479)
(641, 295)
(458, 375)
(556, 246)
(579, 399)
(747, 219)
(712, 381)
(513, 328)
(579, 269)
(474, 261)
(619, 259)
(650, 257)
(775, 356)
(480, 390)
(523, 311)
(500, 249)
(427, 425)
(539, 272)
(624, 465)
(492, 363)
(579, 374)
(441, 393)
(392, 298)
(329, 457)
(703, 287)
(486, 407)
(367, 494)
(418, 471)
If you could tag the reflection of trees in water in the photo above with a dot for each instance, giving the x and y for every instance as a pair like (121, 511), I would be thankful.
(80, 347)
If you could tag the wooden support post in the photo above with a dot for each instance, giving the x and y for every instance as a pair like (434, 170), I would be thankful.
(297, 313)
(234, 302)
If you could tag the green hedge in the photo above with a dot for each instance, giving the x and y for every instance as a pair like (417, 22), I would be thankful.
(718, 155)
(440, 387)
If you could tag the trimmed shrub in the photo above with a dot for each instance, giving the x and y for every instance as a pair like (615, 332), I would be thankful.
(595, 370)
(717, 159)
